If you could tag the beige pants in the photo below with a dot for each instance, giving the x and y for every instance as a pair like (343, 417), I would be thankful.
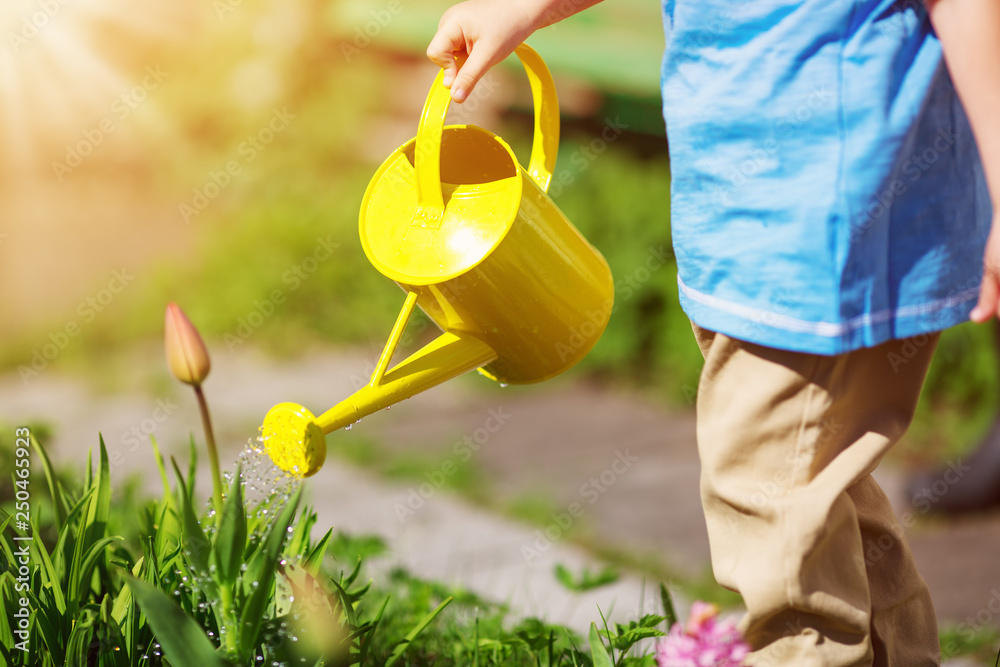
(796, 523)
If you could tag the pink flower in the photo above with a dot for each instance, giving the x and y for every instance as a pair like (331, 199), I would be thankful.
(702, 614)
(187, 355)
(705, 642)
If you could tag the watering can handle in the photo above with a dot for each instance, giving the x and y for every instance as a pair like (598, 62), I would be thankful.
(427, 154)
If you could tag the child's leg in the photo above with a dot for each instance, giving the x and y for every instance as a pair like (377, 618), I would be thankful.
(796, 524)
(901, 605)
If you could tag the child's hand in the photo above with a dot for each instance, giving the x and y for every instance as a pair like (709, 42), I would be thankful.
(989, 291)
(474, 36)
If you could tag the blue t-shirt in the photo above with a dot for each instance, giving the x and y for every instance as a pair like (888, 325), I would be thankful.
(827, 193)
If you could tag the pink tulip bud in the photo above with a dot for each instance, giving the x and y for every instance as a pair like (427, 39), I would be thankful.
(186, 353)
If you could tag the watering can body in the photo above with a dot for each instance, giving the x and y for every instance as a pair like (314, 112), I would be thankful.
(505, 267)
(476, 243)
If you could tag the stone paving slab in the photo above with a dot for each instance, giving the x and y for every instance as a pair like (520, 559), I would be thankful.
(453, 542)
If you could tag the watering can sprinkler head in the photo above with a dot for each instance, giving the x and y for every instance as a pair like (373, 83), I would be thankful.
(293, 439)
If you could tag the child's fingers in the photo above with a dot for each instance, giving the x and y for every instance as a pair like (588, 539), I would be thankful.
(470, 73)
(989, 294)
(989, 290)
(484, 31)
(448, 40)
(448, 50)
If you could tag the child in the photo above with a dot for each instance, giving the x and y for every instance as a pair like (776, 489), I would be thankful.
(830, 216)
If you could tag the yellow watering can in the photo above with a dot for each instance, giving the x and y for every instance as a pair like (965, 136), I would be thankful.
(474, 241)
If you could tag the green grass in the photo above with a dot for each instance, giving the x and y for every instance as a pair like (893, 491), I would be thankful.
(977, 643)
(960, 397)
(533, 507)
(93, 535)
(119, 579)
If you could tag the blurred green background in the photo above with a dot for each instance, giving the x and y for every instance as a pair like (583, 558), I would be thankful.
(215, 154)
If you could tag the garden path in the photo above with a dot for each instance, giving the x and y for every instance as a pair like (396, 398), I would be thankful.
(614, 468)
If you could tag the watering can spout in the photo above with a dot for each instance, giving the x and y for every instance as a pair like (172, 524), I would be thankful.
(295, 439)
(446, 357)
